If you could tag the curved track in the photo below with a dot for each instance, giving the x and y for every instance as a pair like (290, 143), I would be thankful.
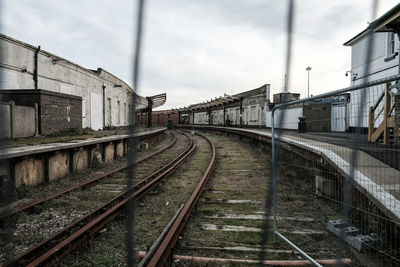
(61, 243)
(163, 253)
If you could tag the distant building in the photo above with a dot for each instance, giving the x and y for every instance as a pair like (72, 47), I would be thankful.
(285, 97)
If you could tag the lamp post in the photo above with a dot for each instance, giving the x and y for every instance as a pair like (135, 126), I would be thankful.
(308, 84)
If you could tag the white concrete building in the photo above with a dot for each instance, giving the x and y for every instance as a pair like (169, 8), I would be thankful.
(106, 99)
(384, 62)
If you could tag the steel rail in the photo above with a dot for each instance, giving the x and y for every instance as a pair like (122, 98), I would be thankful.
(61, 243)
(86, 183)
(164, 251)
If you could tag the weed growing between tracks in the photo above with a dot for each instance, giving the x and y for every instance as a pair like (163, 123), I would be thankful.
(240, 175)
(152, 214)
(39, 222)
(231, 211)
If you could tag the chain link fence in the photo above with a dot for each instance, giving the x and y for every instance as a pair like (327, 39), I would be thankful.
(336, 162)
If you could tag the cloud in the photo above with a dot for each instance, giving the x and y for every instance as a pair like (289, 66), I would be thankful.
(197, 50)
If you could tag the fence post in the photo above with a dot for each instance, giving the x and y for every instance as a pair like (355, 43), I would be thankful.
(273, 171)
(371, 123)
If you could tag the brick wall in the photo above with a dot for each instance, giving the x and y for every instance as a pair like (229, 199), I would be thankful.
(57, 111)
(397, 119)
(21, 97)
(158, 118)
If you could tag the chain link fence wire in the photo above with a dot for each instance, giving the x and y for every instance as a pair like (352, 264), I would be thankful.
(334, 188)
(336, 174)
(6, 225)
(130, 218)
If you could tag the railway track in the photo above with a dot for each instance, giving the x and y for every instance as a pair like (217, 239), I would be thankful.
(113, 207)
(227, 226)
(162, 250)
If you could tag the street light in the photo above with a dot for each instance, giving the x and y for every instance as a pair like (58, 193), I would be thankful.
(308, 84)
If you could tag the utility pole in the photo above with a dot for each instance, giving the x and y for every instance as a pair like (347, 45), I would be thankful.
(308, 83)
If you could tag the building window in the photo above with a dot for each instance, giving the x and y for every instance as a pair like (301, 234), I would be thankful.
(391, 46)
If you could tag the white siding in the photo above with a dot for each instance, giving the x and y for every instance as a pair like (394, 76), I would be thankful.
(378, 69)
(290, 118)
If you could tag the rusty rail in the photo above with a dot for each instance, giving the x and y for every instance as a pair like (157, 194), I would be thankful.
(86, 183)
(164, 251)
(61, 243)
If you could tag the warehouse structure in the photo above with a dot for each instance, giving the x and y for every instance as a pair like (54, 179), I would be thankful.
(244, 109)
(67, 95)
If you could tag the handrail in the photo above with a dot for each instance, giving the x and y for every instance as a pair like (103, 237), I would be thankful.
(387, 109)
(378, 101)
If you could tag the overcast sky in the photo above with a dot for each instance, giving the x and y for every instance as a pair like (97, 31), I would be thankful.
(195, 50)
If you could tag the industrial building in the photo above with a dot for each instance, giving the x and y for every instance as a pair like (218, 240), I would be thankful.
(67, 95)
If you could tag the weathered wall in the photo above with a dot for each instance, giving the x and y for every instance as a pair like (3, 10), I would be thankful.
(37, 165)
(59, 112)
(201, 118)
(5, 113)
(56, 112)
(17, 121)
(60, 75)
(159, 118)
(24, 121)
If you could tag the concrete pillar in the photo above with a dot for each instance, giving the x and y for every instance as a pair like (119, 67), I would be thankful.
(324, 186)
(224, 119)
(241, 111)
(149, 115)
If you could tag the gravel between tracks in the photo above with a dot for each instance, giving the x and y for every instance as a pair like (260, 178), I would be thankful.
(30, 227)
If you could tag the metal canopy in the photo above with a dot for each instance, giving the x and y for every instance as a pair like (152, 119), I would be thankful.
(220, 101)
(157, 100)
(154, 101)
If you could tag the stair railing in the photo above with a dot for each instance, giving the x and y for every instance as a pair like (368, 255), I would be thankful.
(388, 120)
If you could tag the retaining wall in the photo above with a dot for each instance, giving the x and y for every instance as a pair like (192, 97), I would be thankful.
(34, 165)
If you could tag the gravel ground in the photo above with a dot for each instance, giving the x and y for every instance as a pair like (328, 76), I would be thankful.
(40, 222)
(157, 207)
